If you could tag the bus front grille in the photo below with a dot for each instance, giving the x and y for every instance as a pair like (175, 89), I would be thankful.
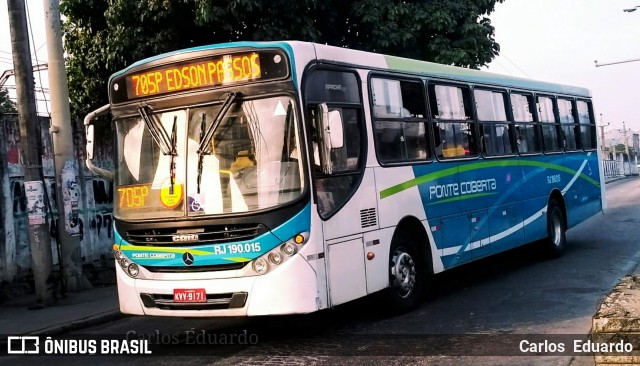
(214, 302)
(192, 269)
(186, 237)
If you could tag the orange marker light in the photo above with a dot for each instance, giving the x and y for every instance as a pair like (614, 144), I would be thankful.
(298, 239)
(370, 256)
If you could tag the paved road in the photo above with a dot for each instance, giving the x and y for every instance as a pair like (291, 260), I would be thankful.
(518, 293)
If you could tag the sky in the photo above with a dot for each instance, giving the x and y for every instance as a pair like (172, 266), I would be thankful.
(37, 37)
(559, 40)
(550, 40)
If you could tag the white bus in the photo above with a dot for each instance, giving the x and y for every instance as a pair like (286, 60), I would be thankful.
(288, 177)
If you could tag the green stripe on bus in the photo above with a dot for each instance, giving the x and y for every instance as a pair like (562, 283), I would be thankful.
(463, 197)
(166, 250)
(481, 165)
(238, 259)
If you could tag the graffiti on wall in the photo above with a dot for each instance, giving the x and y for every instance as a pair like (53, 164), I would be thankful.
(70, 198)
(12, 138)
(88, 200)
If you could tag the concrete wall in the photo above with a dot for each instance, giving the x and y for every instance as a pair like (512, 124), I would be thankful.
(95, 206)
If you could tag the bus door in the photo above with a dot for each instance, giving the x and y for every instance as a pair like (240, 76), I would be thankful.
(344, 189)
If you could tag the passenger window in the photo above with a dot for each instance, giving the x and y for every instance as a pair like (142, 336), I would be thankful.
(399, 111)
(453, 125)
(527, 132)
(587, 125)
(494, 127)
(567, 123)
(550, 134)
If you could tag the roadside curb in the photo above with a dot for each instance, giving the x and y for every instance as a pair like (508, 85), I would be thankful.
(618, 320)
(79, 324)
(620, 178)
(90, 321)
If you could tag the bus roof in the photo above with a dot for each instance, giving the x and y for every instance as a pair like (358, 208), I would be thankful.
(454, 73)
(392, 63)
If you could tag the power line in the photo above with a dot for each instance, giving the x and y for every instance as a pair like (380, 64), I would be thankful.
(46, 106)
(514, 64)
(39, 88)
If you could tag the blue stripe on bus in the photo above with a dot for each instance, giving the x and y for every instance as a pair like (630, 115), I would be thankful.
(504, 217)
(216, 254)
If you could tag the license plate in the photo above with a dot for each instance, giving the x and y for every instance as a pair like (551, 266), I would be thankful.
(189, 295)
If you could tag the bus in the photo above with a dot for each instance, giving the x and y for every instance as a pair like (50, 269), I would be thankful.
(266, 178)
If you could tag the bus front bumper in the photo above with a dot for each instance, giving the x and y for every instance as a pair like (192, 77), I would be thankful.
(290, 288)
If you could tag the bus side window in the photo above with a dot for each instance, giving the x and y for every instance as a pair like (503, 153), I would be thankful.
(494, 126)
(587, 126)
(567, 123)
(526, 128)
(550, 133)
(399, 118)
(452, 111)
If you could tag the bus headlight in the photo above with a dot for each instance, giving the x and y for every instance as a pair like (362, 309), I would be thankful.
(119, 255)
(280, 254)
(133, 270)
(260, 265)
(124, 263)
(289, 249)
(130, 268)
(275, 258)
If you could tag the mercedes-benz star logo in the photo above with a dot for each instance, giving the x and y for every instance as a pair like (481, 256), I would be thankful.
(187, 258)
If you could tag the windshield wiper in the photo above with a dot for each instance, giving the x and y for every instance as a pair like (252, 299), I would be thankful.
(205, 137)
(201, 155)
(214, 125)
(174, 153)
(158, 132)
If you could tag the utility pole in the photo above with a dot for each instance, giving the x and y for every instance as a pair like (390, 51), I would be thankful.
(602, 126)
(30, 155)
(626, 146)
(68, 191)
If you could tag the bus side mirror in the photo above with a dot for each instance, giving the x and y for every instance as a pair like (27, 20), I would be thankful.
(90, 142)
(336, 135)
(331, 135)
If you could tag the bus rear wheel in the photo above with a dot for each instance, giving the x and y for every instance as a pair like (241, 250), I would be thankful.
(556, 240)
(406, 280)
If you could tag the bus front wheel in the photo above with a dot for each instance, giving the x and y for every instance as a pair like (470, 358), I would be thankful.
(556, 240)
(405, 276)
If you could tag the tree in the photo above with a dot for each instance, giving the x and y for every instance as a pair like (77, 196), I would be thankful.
(6, 104)
(103, 36)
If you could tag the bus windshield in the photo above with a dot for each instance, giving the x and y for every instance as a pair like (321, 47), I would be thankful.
(251, 162)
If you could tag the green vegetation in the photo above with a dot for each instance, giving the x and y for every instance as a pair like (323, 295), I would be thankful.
(6, 104)
(103, 36)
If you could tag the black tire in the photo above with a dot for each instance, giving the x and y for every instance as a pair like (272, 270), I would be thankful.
(406, 276)
(556, 240)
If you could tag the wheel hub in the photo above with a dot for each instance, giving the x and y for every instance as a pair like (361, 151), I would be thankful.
(403, 273)
(557, 229)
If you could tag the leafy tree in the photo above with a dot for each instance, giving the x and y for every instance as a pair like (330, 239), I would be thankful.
(6, 104)
(103, 36)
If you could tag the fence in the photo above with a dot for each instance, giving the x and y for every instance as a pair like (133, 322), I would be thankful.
(616, 169)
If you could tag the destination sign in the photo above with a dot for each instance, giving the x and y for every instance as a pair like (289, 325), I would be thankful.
(227, 69)
(198, 73)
